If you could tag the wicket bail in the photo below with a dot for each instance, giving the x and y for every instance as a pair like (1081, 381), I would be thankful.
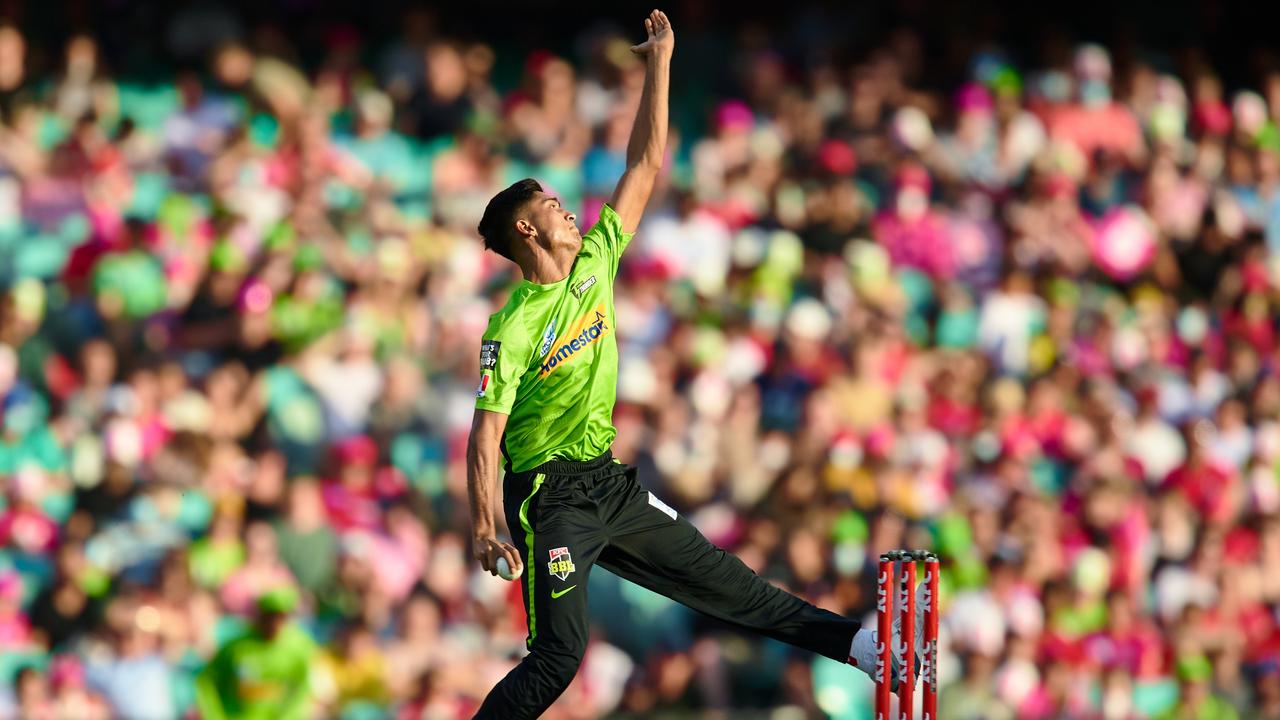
(906, 608)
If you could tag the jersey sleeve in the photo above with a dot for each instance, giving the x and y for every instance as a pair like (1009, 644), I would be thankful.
(608, 237)
(504, 357)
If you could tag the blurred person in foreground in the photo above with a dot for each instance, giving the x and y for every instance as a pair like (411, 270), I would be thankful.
(549, 363)
(262, 673)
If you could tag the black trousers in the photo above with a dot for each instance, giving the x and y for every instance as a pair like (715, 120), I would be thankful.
(566, 517)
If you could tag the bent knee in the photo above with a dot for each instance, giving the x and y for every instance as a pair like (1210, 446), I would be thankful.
(556, 665)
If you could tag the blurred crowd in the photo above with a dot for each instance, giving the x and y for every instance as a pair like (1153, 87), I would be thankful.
(1027, 321)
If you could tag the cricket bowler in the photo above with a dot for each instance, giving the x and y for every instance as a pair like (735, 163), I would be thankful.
(544, 405)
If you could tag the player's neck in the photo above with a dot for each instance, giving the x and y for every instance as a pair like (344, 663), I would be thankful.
(544, 267)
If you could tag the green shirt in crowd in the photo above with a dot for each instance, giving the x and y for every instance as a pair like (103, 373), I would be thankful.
(135, 278)
(312, 556)
(212, 563)
(1213, 708)
(549, 358)
(252, 678)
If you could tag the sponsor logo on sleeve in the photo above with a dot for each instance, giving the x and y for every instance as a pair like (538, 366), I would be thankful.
(484, 386)
(489, 354)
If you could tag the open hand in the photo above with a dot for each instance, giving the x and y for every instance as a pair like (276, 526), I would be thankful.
(662, 39)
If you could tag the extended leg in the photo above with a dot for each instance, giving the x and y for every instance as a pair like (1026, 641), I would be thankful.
(668, 555)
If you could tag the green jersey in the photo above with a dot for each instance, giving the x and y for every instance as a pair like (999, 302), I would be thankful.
(253, 678)
(549, 358)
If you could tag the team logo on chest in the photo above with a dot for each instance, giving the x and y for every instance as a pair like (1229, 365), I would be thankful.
(561, 563)
(582, 287)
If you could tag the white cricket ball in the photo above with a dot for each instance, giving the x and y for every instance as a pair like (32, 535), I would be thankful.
(504, 570)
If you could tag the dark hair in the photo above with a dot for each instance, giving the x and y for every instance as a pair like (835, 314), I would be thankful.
(497, 225)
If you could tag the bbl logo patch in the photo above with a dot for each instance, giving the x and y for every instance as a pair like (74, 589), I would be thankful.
(583, 287)
(561, 563)
(489, 354)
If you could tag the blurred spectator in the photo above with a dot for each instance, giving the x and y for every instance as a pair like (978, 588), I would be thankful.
(133, 675)
(975, 696)
(1195, 695)
(263, 673)
(308, 545)
(262, 570)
